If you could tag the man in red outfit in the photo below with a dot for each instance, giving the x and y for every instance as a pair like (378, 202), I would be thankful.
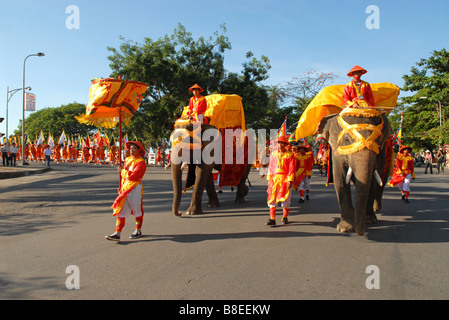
(129, 200)
(197, 104)
(358, 93)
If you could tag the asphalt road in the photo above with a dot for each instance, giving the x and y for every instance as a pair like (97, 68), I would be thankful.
(59, 218)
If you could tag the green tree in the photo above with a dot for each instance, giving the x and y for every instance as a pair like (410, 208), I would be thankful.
(54, 120)
(429, 83)
(172, 64)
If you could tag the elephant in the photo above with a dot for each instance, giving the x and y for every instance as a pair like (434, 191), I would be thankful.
(199, 172)
(361, 153)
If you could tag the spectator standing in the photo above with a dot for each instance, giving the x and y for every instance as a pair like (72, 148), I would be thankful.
(428, 161)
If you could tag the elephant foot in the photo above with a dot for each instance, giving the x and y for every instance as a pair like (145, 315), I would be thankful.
(239, 200)
(213, 204)
(345, 226)
(371, 218)
(193, 211)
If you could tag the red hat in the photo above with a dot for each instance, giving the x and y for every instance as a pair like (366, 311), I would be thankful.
(283, 139)
(356, 68)
(195, 86)
(138, 144)
(405, 147)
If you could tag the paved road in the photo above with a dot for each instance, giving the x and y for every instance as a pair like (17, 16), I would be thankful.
(56, 219)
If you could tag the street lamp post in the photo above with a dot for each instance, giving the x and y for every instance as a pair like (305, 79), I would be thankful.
(39, 54)
(9, 94)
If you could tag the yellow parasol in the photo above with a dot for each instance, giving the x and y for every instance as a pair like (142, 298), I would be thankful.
(112, 102)
(330, 101)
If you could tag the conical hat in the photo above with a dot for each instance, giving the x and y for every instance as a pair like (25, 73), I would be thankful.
(356, 68)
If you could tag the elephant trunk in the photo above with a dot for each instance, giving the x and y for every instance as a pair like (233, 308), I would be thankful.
(176, 174)
(362, 177)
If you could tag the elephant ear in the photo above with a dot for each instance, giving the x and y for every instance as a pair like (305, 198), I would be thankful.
(324, 126)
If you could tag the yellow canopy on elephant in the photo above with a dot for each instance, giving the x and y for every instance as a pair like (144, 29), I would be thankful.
(330, 101)
(224, 111)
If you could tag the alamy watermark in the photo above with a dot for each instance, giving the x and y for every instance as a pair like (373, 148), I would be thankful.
(239, 147)
(373, 280)
(73, 280)
(73, 20)
(373, 20)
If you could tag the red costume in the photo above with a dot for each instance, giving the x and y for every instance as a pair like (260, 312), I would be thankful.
(281, 175)
(358, 91)
(129, 200)
(197, 105)
(403, 172)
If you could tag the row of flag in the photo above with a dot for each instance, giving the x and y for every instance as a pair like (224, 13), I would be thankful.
(95, 140)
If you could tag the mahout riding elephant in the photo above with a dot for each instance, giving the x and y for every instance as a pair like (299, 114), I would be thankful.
(361, 152)
(199, 171)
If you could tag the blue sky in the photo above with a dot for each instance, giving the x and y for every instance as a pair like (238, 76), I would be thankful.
(296, 35)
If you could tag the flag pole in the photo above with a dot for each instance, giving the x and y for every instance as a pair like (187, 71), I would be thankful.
(120, 145)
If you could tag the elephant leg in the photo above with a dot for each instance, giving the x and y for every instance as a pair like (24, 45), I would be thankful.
(202, 172)
(370, 206)
(211, 193)
(176, 174)
(242, 188)
(343, 191)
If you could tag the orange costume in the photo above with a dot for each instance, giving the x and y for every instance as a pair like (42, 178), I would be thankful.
(304, 165)
(281, 175)
(57, 153)
(129, 200)
(403, 172)
(112, 155)
(86, 155)
(358, 91)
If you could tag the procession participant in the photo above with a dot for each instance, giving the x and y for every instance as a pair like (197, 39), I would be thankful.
(33, 152)
(57, 153)
(86, 155)
(197, 105)
(65, 154)
(304, 164)
(129, 200)
(358, 93)
(93, 152)
(280, 176)
(27, 151)
(39, 153)
(112, 155)
(404, 172)
(158, 160)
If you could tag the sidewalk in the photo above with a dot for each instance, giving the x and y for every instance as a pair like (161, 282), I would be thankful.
(20, 170)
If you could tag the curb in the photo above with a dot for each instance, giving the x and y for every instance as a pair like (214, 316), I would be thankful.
(17, 174)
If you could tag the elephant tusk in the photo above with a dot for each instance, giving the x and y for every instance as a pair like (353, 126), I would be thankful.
(378, 179)
(348, 175)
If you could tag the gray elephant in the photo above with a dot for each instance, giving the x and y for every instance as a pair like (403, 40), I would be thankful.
(199, 174)
(361, 152)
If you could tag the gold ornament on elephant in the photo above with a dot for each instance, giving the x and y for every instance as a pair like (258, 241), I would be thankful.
(353, 130)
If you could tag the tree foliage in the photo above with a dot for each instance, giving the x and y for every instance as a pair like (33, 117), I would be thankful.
(54, 120)
(172, 64)
(429, 83)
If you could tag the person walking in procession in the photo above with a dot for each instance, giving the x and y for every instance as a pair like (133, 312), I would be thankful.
(404, 172)
(129, 200)
(281, 175)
